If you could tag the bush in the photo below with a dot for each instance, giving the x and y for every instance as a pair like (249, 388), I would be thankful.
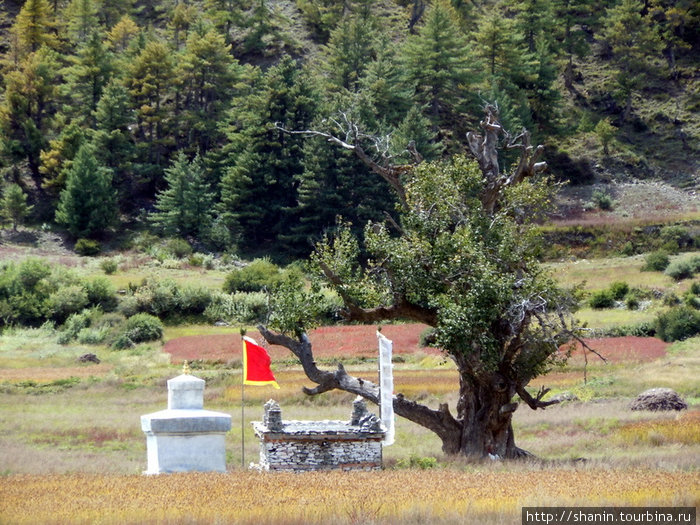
(67, 300)
(258, 275)
(619, 289)
(656, 262)
(194, 299)
(101, 292)
(680, 270)
(238, 308)
(602, 200)
(73, 325)
(138, 329)
(179, 248)
(678, 323)
(109, 266)
(87, 247)
(695, 288)
(602, 299)
(677, 236)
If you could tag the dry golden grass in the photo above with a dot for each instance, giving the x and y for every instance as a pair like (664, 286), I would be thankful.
(684, 430)
(445, 495)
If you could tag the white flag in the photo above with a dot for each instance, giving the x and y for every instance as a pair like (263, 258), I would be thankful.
(386, 388)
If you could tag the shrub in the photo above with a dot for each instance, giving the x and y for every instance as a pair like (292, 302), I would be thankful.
(677, 236)
(67, 300)
(158, 298)
(194, 299)
(259, 274)
(240, 307)
(678, 323)
(179, 248)
(73, 325)
(602, 299)
(87, 247)
(31, 272)
(138, 329)
(695, 288)
(602, 200)
(619, 289)
(109, 266)
(680, 270)
(656, 262)
(128, 306)
(100, 292)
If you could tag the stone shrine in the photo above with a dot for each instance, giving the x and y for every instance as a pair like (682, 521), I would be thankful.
(320, 445)
(185, 437)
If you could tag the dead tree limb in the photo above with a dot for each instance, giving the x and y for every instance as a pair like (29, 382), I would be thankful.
(484, 148)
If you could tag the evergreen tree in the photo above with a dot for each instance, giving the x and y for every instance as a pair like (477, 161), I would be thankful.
(86, 77)
(383, 83)
(572, 16)
(13, 205)
(56, 160)
(149, 79)
(35, 26)
(438, 64)
(350, 50)
(82, 20)
(633, 42)
(114, 145)
(27, 111)
(263, 25)
(87, 206)
(258, 190)
(207, 75)
(225, 14)
(122, 33)
(185, 207)
(678, 24)
(415, 127)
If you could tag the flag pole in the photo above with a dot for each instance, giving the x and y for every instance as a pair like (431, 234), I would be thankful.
(243, 400)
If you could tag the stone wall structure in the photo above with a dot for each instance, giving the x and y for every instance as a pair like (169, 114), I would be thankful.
(297, 446)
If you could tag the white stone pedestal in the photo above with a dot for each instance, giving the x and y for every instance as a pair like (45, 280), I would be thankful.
(185, 437)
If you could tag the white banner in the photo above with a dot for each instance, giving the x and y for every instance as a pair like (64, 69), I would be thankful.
(386, 388)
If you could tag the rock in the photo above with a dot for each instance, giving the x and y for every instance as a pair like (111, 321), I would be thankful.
(564, 396)
(89, 358)
(658, 399)
(221, 323)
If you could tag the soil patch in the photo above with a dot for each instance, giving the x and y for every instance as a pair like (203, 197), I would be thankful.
(327, 341)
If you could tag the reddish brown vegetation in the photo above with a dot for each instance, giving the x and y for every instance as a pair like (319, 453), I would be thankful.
(361, 341)
(328, 341)
(622, 349)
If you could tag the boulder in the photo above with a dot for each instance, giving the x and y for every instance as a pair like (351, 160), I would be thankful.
(658, 399)
(89, 358)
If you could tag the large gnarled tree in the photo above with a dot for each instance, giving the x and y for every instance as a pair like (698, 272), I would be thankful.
(462, 257)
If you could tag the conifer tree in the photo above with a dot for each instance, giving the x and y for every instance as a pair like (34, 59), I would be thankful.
(27, 112)
(82, 20)
(35, 26)
(56, 160)
(439, 65)
(86, 77)
(185, 207)
(114, 144)
(122, 33)
(149, 79)
(87, 206)
(13, 205)
(350, 49)
(263, 161)
(207, 75)
(633, 43)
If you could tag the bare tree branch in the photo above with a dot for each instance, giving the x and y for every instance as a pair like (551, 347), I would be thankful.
(485, 149)
(439, 421)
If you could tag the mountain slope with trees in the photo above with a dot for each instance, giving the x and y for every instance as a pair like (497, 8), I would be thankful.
(148, 86)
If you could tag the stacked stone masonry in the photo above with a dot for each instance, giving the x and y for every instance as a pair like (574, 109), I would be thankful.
(297, 446)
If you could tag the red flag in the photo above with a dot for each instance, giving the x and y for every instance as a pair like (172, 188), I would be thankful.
(256, 365)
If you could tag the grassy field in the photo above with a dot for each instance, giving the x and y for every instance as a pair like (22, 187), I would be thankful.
(72, 451)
